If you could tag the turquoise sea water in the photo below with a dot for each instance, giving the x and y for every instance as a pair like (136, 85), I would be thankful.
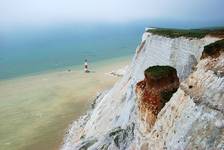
(36, 110)
(33, 50)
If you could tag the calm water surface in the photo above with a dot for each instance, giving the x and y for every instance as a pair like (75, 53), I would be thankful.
(34, 113)
(27, 51)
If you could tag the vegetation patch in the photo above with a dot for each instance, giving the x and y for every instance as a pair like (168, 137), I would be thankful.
(213, 49)
(159, 71)
(122, 137)
(116, 131)
(86, 144)
(188, 33)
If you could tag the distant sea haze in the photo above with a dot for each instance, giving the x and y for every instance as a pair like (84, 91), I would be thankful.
(30, 51)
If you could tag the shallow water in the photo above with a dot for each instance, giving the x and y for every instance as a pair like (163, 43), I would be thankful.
(33, 50)
(39, 97)
(36, 110)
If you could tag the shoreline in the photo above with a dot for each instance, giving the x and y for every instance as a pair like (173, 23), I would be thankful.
(39, 108)
(77, 67)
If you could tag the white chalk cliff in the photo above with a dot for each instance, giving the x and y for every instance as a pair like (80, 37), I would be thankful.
(192, 119)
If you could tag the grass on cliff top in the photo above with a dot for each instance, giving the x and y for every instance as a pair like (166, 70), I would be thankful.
(189, 33)
(159, 71)
(213, 49)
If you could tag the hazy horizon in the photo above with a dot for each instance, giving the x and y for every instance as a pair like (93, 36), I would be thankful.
(174, 13)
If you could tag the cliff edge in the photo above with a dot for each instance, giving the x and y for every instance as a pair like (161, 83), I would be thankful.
(171, 97)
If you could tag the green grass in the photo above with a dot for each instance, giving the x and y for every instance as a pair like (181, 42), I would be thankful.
(213, 49)
(159, 71)
(189, 33)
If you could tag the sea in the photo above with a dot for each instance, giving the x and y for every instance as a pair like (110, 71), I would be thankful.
(39, 97)
(31, 50)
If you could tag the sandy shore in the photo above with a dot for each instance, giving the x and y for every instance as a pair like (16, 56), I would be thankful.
(36, 110)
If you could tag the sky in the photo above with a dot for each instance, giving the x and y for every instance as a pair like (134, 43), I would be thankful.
(26, 12)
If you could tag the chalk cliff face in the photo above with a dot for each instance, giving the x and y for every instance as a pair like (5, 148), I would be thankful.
(192, 119)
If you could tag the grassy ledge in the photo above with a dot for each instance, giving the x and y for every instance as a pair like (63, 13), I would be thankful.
(159, 71)
(188, 33)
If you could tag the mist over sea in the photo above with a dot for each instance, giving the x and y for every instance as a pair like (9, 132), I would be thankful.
(34, 50)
